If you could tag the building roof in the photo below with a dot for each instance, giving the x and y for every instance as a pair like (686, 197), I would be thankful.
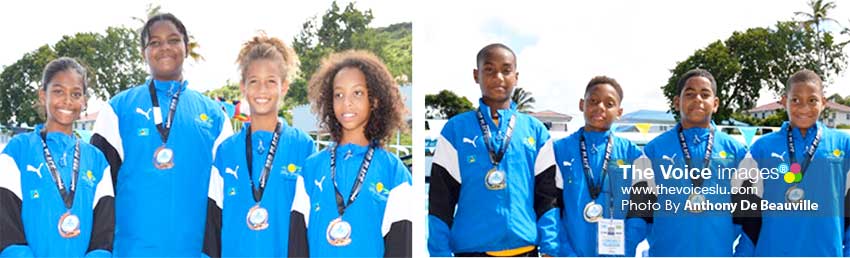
(767, 107)
(648, 116)
(776, 105)
(837, 107)
(550, 115)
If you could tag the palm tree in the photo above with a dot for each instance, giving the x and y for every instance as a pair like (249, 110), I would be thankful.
(523, 99)
(193, 46)
(815, 19)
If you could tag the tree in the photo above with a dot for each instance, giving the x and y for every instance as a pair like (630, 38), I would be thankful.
(814, 20)
(229, 92)
(748, 61)
(523, 99)
(113, 60)
(446, 104)
(18, 83)
(348, 28)
(113, 63)
(193, 46)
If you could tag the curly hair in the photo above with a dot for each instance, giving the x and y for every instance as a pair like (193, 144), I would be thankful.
(269, 48)
(386, 115)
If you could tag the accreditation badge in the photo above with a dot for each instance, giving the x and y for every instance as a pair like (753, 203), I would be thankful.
(611, 239)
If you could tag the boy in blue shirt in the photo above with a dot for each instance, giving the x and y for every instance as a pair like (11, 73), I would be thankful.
(812, 164)
(484, 165)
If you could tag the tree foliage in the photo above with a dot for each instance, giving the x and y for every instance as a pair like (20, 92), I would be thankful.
(445, 105)
(348, 28)
(112, 59)
(523, 99)
(759, 58)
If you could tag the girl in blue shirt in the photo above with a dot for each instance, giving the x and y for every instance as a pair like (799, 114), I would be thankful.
(360, 193)
(56, 194)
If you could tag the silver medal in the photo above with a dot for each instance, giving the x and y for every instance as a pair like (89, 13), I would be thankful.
(495, 179)
(258, 218)
(69, 225)
(163, 158)
(794, 194)
(592, 212)
(339, 232)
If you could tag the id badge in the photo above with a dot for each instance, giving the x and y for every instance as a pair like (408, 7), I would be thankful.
(611, 238)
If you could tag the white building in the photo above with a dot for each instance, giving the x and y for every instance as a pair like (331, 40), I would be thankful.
(834, 115)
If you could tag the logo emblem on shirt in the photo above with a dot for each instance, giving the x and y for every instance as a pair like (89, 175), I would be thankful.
(232, 191)
(319, 185)
(722, 154)
(204, 120)
(292, 168)
(232, 172)
(143, 132)
(37, 171)
(530, 141)
(665, 157)
(34, 194)
(837, 153)
(568, 163)
(472, 141)
(90, 178)
(781, 157)
(381, 190)
(144, 113)
(470, 159)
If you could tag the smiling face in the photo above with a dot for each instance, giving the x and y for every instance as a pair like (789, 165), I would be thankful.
(165, 51)
(496, 75)
(351, 102)
(696, 103)
(804, 103)
(601, 106)
(262, 86)
(64, 99)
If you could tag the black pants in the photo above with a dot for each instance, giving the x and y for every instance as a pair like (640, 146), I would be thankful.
(532, 253)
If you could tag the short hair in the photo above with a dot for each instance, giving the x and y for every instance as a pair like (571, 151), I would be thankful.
(262, 47)
(804, 75)
(604, 80)
(680, 85)
(146, 31)
(60, 65)
(484, 53)
(384, 96)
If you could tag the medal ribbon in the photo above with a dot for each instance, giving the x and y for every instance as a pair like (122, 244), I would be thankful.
(595, 188)
(258, 192)
(496, 157)
(165, 129)
(810, 152)
(697, 182)
(67, 194)
(361, 176)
